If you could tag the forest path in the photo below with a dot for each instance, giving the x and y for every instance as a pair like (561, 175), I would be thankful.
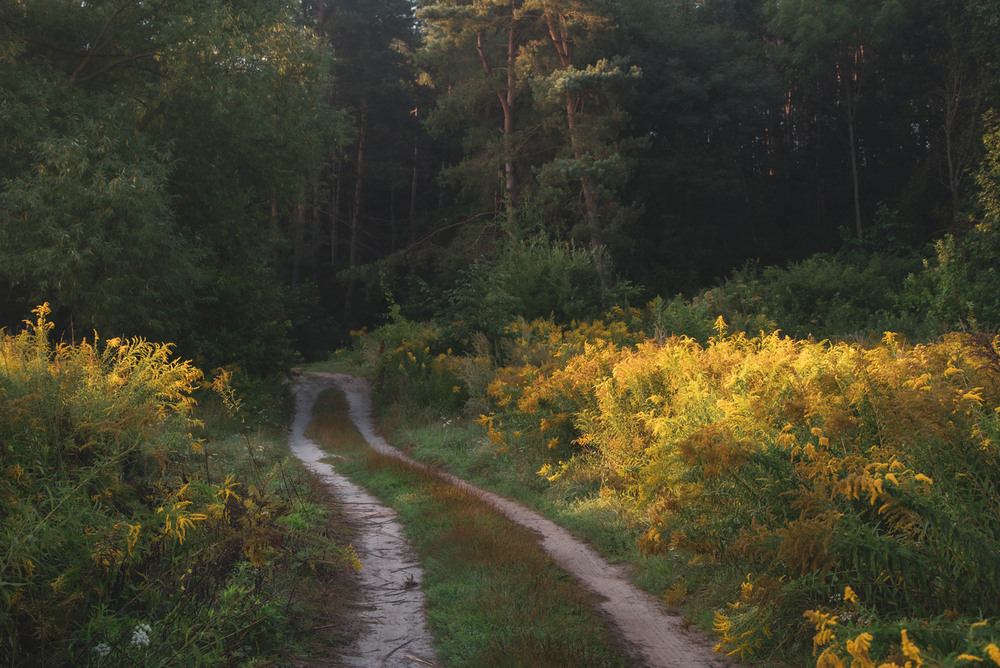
(392, 630)
(657, 634)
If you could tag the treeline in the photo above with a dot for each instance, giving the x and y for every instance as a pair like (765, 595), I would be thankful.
(253, 179)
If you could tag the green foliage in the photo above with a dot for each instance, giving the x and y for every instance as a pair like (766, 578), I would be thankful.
(409, 357)
(824, 296)
(811, 466)
(85, 218)
(123, 543)
(958, 286)
(133, 196)
(532, 280)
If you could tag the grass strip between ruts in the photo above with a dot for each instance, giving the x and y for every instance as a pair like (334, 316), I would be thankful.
(494, 598)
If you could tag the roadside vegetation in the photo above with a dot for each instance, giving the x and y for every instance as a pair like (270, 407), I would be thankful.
(139, 528)
(494, 598)
(826, 498)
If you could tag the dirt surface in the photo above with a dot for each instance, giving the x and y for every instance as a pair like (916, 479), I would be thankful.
(657, 634)
(391, 629)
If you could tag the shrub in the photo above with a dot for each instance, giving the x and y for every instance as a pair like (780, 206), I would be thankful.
(532, 280)
(120, 545)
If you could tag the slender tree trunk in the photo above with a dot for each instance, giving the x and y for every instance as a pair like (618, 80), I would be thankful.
(392, 216)
(586, 183)
(314, 230)
(275, 224)
(850, 79)
(359, 180)
(508, 122)
(562, 42)
(413, 192)
(335, 213)
(507, 100)
(854, 177)
(299, 236)
(956, 153)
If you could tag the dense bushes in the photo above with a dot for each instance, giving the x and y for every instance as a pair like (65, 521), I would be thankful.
(126, 539)
(811, 467)
(529, 280)
(775, 428)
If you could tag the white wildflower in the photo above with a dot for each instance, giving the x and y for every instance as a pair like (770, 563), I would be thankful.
(140, 636)
(103, 649)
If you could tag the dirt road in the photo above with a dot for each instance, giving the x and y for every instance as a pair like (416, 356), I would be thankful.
(392, 631)
(657, 634)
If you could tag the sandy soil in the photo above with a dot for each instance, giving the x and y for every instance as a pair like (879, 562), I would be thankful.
(391, 630)
(656, 633)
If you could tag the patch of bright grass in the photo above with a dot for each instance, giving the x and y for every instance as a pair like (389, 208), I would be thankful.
(494, 598)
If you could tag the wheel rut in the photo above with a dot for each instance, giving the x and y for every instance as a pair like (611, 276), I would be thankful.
(657, 634)
(392, 629)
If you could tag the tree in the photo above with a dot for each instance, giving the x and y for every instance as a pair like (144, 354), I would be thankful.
(137, 197)
(831, 44)
(707, 173)
(373, 44)
(494, 30)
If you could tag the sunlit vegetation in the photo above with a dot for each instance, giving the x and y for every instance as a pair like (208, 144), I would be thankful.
(852, 484)
(130, 534)
(489, 190)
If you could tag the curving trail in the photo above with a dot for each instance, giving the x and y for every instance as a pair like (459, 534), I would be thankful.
(391, 610)
(641, 619)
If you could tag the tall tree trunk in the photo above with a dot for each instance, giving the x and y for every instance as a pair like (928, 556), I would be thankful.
(335, 212)
(300, 234)
(854, 177)
(851, 82)
(956, 99)
(314, 231)
(507, 100)
(508, 122)
(562, 43)
(413, 192)
(359, 180)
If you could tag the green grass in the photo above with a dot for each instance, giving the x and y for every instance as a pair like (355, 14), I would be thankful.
(609, 524)
(494, 598)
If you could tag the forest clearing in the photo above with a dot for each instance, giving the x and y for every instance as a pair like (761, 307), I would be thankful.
(712, 285)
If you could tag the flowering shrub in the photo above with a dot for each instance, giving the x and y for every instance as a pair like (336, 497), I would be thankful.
(811, 466)
(120, 546)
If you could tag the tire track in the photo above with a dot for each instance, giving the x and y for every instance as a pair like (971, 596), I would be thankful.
(658, 635)
(393, 629)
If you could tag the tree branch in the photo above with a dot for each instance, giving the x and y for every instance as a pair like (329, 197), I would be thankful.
(99, 44)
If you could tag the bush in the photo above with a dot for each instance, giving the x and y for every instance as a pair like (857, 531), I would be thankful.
(533, 280)
(121, 546)
(809, 466)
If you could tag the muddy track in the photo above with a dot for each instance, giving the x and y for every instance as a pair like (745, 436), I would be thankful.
(391, 630)
(657, 634)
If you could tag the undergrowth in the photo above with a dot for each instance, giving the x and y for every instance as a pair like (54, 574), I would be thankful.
(127, 537)
(816, 501)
